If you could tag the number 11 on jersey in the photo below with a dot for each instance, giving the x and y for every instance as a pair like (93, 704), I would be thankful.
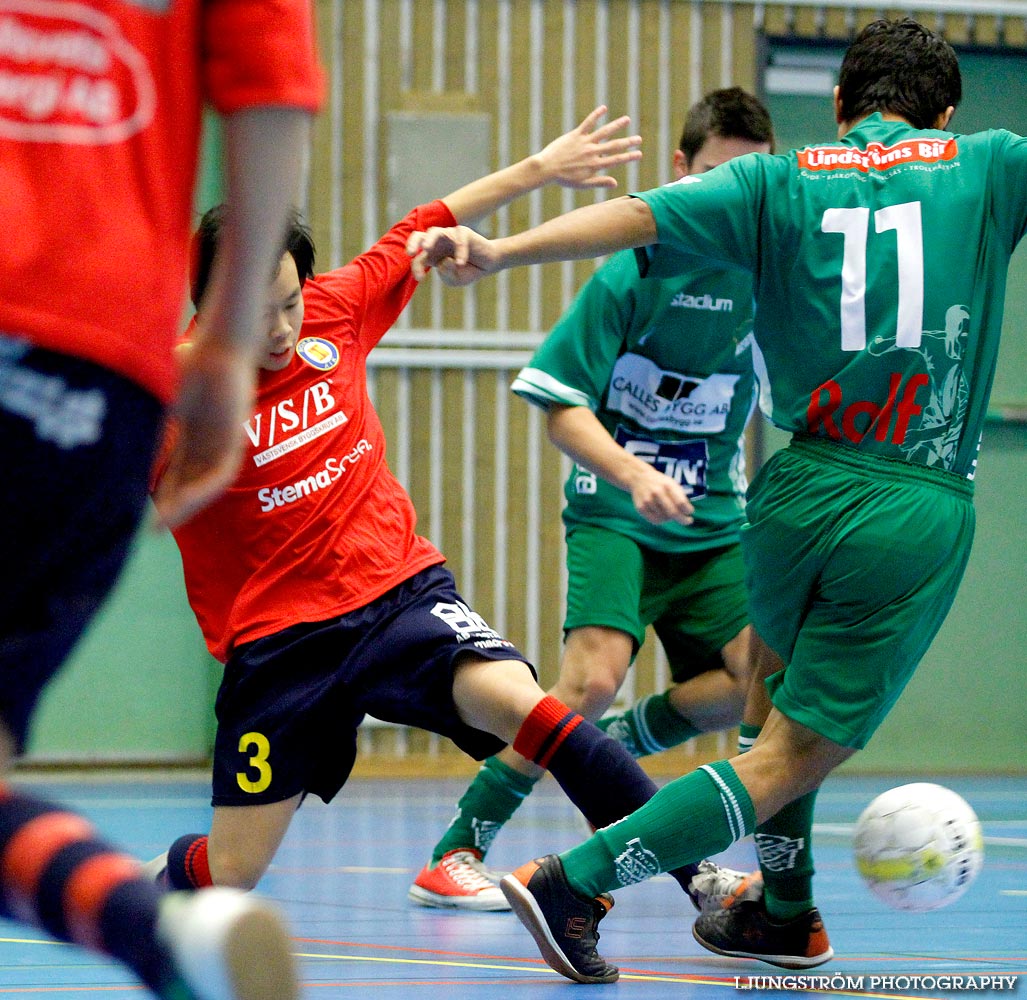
(854, 226)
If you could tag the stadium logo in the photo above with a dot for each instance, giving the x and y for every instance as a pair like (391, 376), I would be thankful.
(318, 353)
(705, 301)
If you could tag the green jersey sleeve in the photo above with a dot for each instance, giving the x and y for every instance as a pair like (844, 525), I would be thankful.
(1009, 178)
(713, 215)
(573, 363)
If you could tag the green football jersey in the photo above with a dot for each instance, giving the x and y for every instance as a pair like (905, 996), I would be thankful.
(880, 267)
(665, 363)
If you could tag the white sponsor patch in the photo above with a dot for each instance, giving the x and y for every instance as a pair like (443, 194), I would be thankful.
(665, 400)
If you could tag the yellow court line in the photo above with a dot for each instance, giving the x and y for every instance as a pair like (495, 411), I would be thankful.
(389, 960)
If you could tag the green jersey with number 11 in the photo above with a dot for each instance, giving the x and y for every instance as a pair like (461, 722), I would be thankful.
(880, 271)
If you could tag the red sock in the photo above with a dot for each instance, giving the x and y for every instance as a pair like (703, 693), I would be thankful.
(187, 863)
(543, 732)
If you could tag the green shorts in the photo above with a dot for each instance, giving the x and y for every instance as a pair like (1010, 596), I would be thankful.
(695, 601)
(852, 563)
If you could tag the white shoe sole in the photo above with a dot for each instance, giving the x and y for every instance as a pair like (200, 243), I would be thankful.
(482, 903)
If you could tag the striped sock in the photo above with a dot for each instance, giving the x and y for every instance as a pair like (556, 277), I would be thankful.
(599, 776)
(55, 874)
(187, 863)
(689, 819)
(649, 726)
(747, 737)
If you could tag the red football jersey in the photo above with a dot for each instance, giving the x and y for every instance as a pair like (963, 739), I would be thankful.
(315, 525)
(99, 130)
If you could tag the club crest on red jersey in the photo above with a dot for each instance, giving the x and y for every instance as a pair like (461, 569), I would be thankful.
(318, 353)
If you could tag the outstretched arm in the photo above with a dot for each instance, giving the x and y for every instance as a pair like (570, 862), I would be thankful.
(462, 256)
(577, 432)
(577, 159)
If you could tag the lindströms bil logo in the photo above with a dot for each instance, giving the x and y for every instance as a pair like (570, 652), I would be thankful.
(318, 353)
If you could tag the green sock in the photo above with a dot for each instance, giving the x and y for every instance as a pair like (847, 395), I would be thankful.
(691, 818)
(490, 800)
(747, 736)
(783, 845)
(649, 726)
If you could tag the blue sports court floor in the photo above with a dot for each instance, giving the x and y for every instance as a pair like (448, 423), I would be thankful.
(343, 872)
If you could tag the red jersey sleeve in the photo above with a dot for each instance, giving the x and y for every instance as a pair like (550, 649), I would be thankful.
(381, 276)
(261, 52)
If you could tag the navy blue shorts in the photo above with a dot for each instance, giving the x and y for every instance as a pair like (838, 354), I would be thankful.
(78, 447)
(290, 703)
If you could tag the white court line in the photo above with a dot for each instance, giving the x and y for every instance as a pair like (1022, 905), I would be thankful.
(845, 830)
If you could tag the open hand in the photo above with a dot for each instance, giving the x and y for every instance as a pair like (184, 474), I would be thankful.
(579, 158)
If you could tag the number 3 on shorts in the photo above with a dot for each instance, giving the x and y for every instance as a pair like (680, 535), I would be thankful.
(258, 762)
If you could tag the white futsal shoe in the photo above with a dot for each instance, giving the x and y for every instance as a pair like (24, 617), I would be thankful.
(724, 886)
(226, 945)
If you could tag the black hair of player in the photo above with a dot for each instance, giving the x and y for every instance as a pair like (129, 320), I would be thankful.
(899, 67)
(299, 242)
(731, 113)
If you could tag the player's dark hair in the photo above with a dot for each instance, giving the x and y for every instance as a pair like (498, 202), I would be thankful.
(731, 113)
(298, 242)
(902, 68)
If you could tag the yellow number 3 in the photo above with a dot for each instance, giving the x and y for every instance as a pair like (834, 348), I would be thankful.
(258, 761)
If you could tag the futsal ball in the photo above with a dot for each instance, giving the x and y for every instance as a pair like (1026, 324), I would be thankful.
(918, 846)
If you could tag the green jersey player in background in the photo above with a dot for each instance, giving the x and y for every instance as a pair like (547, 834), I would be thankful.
(880, 266)
(648, 385)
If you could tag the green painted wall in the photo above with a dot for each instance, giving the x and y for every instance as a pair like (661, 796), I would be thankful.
(141, 684)
(966, 707)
